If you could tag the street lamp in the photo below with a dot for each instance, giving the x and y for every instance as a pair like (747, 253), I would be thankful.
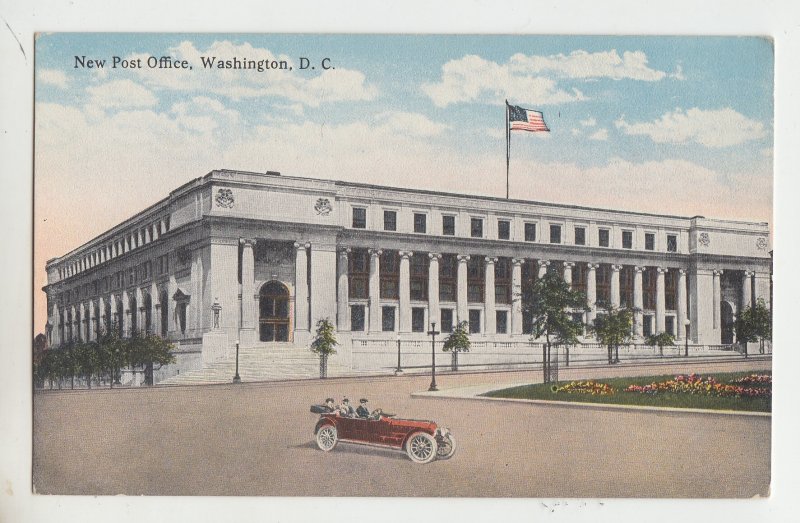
(398, 370)
(686, 323)
(433, 332)
(236, 378)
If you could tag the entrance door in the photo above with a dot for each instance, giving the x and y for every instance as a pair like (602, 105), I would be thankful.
(273, 315)
(727, 323)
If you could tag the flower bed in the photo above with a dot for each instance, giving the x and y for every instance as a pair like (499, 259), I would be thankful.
(708, 386)
(754, 379)
(585, 387)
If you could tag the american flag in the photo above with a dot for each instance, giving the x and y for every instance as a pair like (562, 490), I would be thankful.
(520, 119)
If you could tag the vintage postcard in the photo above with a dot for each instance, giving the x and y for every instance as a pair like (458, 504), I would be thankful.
(407, 265)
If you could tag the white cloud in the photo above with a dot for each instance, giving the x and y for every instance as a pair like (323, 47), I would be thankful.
(120, 94)
(589, 122)
(711, 128)
(204, 115)
(599, 135)
(310, 88)
(576, 132)
(532, 79)
(52, 77)
(412, 124)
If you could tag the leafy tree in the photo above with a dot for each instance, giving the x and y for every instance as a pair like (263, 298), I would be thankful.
(613, 328)
(753, 324)
(660, 340)
(149, 350)
(458, 341)
(87, 360)
(324, 344)
(113, 354)
(549, 302)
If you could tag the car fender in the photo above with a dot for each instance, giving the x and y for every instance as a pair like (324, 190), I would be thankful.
(322, 422)
(414, 431)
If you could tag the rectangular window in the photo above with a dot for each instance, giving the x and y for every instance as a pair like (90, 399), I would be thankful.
(580, 235)
(387, 319)
(419, 276)
(359, 218)
(358, 273)
(502, 322)
(627, 239)
(420, 222)
(602, 237)
(357, 318)
(474, 321)
(447, 278)
(503, 229)
(417, 319)
(555, 233)
(389, 221)
(447, 320)
(647, 325)
(669, 325)
(649, 241)
(476, 228)
(530, 232)
(672, 243)
(449, 225)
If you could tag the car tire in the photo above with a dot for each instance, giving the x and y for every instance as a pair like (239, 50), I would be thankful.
(421, 447)
(447, 449)
(327, 438)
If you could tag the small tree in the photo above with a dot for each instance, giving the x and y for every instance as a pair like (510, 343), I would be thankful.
(113, 354)
(753, 324)
(324, 344)
(457, 341)
(613, 328)
(549, 301)
(87, 356)
(660, 340)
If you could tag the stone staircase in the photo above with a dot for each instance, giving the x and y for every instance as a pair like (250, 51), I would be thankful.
(262, 362)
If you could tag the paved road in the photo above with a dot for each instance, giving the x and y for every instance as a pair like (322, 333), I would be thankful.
(255, 439)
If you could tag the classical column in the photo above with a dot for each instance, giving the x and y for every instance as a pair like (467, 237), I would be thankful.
(104, 323)
(375, 290)
(247, 336)
(490, 316)
(140, 323)
(761, 286)
(615, 285)
(404, 292)
(591, 291)
(568, 273)
(638, 301)
(543, 264)
(343, 291)
(461, 297)
(322, 301)
(81, 331)
(55, 321)
(681, 305)
(172, 289)
(433, 288)
(747, 289)
(73, 317)
(516, 295)
(717, 289)
(660, 300)
(301, 306)
(91, 318)
(155, 309)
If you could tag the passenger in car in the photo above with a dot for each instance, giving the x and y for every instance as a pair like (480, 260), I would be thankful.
(362, 411)
(329, 405)
(345, 409)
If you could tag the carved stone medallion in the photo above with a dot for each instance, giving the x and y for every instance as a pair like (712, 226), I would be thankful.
(704, 239)
(224, 198)
(761, 244)
(323, 206)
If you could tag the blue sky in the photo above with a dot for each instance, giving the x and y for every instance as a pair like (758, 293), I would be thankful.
(676, 125)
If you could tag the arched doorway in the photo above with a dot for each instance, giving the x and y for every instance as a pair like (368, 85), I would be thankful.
(273, 312)
(726, 323)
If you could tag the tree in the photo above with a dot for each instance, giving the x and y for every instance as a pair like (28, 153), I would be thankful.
(753, 324)
(87, 359)
(457, 341)
(149, 350)
(613, 328)
(549, 302)
(324, 344)
(660, 340)
(112, 354)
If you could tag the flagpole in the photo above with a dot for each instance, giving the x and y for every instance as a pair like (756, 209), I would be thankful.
(508, 148)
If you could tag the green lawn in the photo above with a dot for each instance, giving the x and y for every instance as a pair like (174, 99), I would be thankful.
(544, 392)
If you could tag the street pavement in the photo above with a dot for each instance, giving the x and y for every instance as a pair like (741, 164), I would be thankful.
(256, 440)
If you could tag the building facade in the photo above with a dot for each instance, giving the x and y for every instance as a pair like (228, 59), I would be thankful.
(259, 258)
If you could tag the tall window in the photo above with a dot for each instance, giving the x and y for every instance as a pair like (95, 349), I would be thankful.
(501, 320)
(476, 227)
(418, 319)
(359, 218)
(530, 232)
(672, 243)
(420, 222)
(555, 233)
(503, 229)
(476, 279)
(602, 237)
(387, 319)
(389, 221)
(603, 278)
(502, 280)
(580, 235)
(419, 276)
(448, 270)
(649, 241)
(447, 320)
(474, 321)
(390, 275)
(627, 239)
(670, 289)
(358, 274)
(449, 225)
(649, 288)
(357, 318)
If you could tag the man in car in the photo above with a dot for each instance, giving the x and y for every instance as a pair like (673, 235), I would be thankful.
(346, 409)
(362, 411)
(329, 405)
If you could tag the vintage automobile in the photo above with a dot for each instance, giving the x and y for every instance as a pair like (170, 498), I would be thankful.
(423, 441)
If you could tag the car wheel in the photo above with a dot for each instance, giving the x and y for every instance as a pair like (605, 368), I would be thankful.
(327, 438)
(421, 447)
(446, 447)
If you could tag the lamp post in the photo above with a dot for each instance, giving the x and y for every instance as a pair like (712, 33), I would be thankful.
(236, 378)
(687, 323)
(398, 370)
(433, 332)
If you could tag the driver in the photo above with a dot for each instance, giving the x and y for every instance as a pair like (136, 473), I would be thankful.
(362, 411)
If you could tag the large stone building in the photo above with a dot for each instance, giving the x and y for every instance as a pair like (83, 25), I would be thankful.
(260, 258)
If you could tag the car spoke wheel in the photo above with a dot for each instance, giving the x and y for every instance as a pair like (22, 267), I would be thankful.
(421, 447)
(446, 447)
(327, 438)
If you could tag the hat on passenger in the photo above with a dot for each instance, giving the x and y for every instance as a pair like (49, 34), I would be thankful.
(329, 400)
(345, 400)
(362, 400)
